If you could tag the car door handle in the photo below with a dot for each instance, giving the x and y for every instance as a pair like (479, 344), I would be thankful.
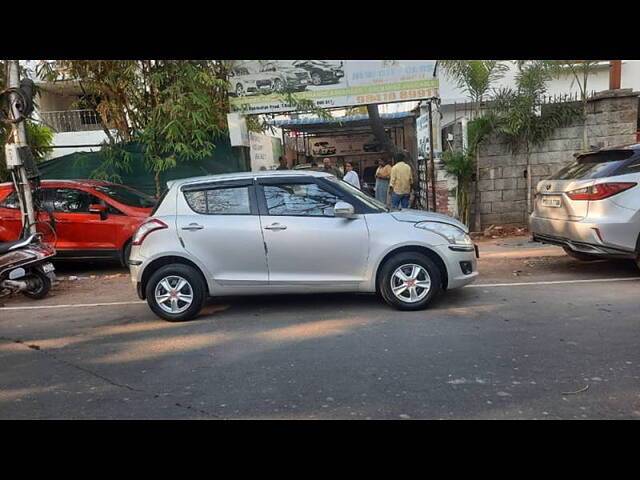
(193, 226)
(275, 226)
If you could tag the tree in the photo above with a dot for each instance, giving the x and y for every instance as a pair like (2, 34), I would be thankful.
(580, 71)
(39, 137)
(460, 165)
(519, 116)
(475, 78)
(175, 108)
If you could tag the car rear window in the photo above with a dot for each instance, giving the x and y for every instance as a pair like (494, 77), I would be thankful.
(127, 196)
(220, 201)
(602, 164)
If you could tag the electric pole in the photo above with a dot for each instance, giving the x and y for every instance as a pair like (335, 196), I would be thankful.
(15, 152)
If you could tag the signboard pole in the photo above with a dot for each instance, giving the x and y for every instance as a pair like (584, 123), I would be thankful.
(431, 160)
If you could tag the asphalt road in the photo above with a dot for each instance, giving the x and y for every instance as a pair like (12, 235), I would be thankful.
(535, 351)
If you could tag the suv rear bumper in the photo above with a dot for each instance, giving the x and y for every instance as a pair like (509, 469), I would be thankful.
(577, 236)
(582, 247)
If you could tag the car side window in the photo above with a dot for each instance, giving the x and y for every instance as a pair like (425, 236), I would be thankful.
(220, 201)
(10, 201)
(70, 200)
(298, 199)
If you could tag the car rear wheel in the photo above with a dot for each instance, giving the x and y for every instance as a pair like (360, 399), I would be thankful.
(409, 281)
(583, 257)
(239, 90)
(176, 292)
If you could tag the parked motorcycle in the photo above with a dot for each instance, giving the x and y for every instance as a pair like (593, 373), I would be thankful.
(25, 267)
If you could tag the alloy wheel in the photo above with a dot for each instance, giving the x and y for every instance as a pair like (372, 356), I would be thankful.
(410, 283)
(173, 294)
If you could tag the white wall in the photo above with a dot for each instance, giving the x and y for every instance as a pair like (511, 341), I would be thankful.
(76, 138)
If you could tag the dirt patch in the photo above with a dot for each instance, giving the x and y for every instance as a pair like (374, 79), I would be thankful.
(500, 231)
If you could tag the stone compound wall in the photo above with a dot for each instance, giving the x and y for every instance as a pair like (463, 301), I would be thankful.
(612, 120)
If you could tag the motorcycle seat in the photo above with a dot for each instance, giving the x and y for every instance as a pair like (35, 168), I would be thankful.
(8, 246)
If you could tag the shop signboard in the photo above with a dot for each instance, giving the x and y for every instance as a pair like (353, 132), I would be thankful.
(264, 151)
(344, 145)
(422, 133)
(261, 86)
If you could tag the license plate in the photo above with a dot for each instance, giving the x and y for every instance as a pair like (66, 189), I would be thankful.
(554, 202)
(48, 268)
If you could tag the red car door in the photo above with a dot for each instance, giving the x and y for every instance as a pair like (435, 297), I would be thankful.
(77, 228)
(10, 218)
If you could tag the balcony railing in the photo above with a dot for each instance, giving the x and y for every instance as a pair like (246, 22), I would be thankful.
(72, 120)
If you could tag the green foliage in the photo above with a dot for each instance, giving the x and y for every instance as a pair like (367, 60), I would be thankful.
(175, 108)
(462, 166)
(519, 115)
(580, 71)
(458, 164)
(474, 77)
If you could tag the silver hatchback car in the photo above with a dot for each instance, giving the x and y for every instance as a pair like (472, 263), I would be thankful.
(291, 232)
(592, 206)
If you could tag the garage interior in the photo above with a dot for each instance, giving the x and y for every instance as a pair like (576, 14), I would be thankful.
(298, 136)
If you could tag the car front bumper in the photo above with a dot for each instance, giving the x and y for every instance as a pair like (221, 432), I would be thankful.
(462, 266)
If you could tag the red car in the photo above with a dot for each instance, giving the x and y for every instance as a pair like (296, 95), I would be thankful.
(93, 219)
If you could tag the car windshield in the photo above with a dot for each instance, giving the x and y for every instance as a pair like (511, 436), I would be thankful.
(356, 192)
(127, 196)
(596, 165)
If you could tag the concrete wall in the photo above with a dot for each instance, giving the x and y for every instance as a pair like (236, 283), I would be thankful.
(612, 120)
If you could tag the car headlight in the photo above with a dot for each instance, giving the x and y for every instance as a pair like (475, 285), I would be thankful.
(453, 234)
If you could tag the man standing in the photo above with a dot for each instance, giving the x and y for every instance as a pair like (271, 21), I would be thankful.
(383, 173)
(329, 168)
(401, 180)
(283, 164)
(351, 176)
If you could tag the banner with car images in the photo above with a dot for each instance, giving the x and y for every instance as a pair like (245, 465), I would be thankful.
(261, 86)
(343, 145)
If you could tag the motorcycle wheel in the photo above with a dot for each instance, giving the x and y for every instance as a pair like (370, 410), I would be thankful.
(41, 286)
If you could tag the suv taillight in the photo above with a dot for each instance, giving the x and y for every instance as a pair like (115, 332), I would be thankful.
(145, 229)
(600, 191)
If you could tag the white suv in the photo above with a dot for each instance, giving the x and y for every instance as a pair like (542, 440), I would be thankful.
(291, 232)
(592, 206)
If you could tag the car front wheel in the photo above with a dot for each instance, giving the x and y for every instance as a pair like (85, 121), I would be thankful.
(409, 281)
(176, 292)
(316, 79)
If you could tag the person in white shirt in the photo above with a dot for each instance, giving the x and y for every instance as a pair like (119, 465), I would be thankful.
(351, 176)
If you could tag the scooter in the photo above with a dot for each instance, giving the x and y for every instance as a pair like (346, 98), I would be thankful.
(24, 267)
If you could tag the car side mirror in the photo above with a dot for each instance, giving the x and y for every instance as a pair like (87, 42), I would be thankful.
(344, 210)
(101, 209)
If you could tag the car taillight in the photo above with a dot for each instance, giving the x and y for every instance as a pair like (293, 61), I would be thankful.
(600, 191)
(145, 229)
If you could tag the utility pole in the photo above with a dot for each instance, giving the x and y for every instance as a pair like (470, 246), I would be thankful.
(14, 157)
(432, 162)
